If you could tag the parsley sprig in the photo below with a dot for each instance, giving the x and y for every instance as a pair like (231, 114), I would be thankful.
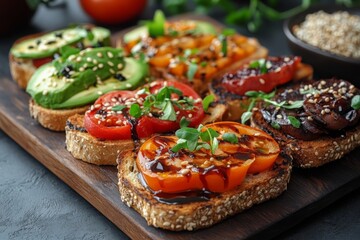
(266, 97)
(194, 139)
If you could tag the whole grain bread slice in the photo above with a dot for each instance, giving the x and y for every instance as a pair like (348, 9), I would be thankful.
(195, 215)
(85, 147)
(314, 153)
(53, 119)
(22, 69)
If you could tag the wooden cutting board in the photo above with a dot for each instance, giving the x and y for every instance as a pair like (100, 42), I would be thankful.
(308, 191)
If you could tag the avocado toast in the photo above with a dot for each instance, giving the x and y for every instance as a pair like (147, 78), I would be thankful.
(30, 52)
(68, 84)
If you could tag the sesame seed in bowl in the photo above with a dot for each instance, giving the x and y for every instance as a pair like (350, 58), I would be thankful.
(328, 38)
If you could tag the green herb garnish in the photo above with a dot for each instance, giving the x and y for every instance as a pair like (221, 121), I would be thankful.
(275, 125)
(162, 103)
(135, 110)
(223, 39)
(192, 68)
(259, 95)
(207, 101)
(117, 108)
(294, 121)
(194, 139)
(230, 137)
(259, 64)
(156, 27)
(355, 102)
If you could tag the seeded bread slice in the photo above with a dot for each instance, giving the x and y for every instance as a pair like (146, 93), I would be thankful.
(85, 147)
(53, 119)
(22, 69)
(307, 154)
(195, 215)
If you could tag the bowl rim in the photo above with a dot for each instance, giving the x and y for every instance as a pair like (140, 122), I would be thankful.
(299, 18)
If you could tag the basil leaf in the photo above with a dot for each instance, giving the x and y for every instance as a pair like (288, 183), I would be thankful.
(189, 52)
(275, 125)
(184, 122)
(67, 51)
(355, 102)
(253, 94)
(118, 108)
(168, 112)
(214, 145)
(294, 121)
(259, 64)
(245, 117)
(180, 144)
(202, 145)
(135, 110)
(90, 35)
(228, 31)
(156, 27)
(296, 104)
(230, 137)
(175, 90)
(192, 68)
(207, 101)
(190, 134)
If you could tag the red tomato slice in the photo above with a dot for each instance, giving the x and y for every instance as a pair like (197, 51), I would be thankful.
(168, 172)
(105, 122)
(41, 61)
(279, 70)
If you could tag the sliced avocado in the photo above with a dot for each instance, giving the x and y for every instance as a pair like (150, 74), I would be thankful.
(82, 77)
(136, 33)
(58, 81)
(101, 38)
(50, 43)
(134, 72)
(140, 32)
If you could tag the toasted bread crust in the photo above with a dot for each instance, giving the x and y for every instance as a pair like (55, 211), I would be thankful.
(85, 147)
(195, 215)
(21, 68)
(314, 153)
(53, 119)
(90, 149)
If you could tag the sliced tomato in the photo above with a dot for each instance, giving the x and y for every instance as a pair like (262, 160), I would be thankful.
(101, 121)
(41, 61)
(279, 70)
(169, 172)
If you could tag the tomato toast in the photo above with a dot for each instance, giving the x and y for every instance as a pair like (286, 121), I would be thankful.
(193, 52)
(186, 190)
(322, 128)
(264, 75)
(120, 119)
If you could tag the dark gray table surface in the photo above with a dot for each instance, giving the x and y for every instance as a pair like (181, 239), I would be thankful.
(35, 204)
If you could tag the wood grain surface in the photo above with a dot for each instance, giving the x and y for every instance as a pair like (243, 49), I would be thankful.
(308, 191)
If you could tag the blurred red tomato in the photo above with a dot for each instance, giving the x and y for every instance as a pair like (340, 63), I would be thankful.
(113, 11)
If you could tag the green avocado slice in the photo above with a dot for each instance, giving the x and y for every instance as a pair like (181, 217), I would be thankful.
(50, 43)
(56, 84)
(134, 72)
(140, 32)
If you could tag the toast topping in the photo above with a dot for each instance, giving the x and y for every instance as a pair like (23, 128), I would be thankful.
(328, 107)
(156, 108)
(214, 158)
(260, 75)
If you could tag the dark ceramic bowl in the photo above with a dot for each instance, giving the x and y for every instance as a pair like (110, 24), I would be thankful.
(326, 64)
